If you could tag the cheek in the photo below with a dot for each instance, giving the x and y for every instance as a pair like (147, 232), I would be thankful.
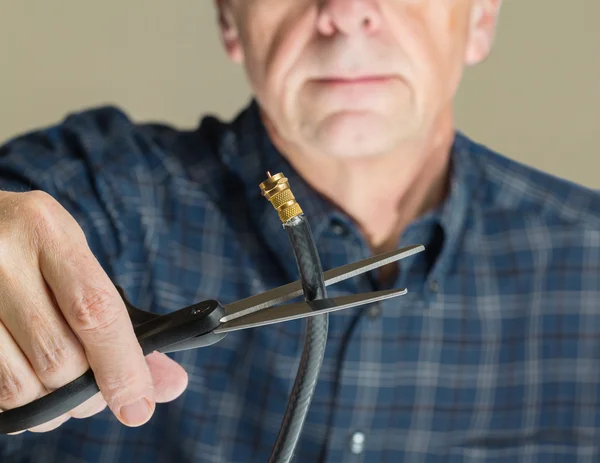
(433, 39)
(255, 47)
(273, 42)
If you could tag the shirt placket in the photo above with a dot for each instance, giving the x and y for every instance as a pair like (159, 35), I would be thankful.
(368, 411)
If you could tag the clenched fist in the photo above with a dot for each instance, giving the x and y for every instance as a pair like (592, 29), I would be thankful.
(60, 314)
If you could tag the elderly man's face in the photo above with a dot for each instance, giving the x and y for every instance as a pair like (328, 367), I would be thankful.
(356, 77)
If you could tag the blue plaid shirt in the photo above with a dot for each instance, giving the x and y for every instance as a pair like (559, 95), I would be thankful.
(494, 354)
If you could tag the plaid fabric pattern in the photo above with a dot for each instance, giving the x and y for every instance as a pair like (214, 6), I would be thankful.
(492, 356)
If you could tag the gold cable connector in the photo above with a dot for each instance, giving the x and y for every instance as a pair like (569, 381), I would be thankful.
(277, 190)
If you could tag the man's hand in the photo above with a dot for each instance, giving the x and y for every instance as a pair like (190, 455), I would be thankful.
(60, 314)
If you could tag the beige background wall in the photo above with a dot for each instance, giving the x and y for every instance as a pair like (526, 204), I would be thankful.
(537, 99)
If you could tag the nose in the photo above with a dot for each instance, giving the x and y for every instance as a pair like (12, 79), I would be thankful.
(348, 16)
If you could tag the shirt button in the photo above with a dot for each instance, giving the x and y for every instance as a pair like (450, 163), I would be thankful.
(338, 229)
(434, 286)
(357, 443)
(374, 311)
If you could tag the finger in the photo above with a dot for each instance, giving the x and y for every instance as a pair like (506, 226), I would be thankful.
(90, 407)
(29, 311)
(96, 313)
(170, 379)
(51, 425)
(19, 384)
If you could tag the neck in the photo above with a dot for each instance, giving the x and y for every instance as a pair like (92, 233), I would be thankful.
(381, 194)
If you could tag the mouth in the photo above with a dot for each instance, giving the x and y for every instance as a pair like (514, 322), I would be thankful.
(366, 78)
(343, 80)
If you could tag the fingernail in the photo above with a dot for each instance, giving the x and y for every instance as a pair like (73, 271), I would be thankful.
(136, 413)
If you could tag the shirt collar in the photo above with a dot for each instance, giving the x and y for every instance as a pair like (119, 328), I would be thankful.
(248, 153)
(465, 178)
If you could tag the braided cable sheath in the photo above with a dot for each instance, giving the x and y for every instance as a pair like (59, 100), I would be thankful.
(311, 275)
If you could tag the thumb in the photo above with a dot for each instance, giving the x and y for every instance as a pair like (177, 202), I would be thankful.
(169, 378)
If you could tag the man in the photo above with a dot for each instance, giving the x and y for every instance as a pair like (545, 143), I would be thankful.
(493, 355)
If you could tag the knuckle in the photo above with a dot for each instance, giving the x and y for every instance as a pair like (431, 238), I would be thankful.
(95, 312)
(33, 212)
(40, 216)
(54, 360)
(43, 217)
(51, 362)
(38, 197)
(121, 388)
(37, 205)
(25, 217)
(12, 389)
(9, 205)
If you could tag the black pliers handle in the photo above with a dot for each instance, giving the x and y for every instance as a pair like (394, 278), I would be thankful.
(187, 328)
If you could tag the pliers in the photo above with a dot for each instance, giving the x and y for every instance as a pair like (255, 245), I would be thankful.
(205, 323)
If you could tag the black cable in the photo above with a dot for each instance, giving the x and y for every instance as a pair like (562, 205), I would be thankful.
(311, 274)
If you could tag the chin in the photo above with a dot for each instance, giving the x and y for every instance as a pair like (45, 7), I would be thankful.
(355, 135)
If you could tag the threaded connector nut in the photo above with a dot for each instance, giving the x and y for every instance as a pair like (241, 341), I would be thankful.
(277, 190)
